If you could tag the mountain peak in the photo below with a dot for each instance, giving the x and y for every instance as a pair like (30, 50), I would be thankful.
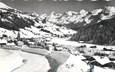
(3, 5)
(110, 10)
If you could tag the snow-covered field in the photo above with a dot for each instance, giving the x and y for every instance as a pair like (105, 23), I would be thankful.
(9, 60)
(62, 41)
(34, 63)
(13, 61)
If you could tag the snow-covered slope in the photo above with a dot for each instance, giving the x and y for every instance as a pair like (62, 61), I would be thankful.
(74, 64)
(2, 5)
(9, 60)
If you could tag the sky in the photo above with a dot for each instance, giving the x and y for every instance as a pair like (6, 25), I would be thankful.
(59, 6)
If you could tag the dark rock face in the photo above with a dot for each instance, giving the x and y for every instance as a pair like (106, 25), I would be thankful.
(98, 31)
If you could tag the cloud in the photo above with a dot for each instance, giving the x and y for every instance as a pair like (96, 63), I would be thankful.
(40, 0)
(108, 0)
(26, 0)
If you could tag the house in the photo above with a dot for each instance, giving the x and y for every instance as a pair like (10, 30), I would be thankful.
(3, 42)
(11, 44)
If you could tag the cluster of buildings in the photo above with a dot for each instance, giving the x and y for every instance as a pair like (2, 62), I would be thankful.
(4, 41)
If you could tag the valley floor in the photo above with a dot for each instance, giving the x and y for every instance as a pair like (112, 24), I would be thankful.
(40, 60)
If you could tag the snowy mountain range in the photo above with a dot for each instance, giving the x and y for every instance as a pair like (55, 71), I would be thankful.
(96, 26)
(13, 21)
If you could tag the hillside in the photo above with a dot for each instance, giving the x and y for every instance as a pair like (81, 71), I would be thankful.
(100, 30)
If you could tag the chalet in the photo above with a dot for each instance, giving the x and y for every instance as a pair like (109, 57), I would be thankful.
(11, 44)
(3, 42)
